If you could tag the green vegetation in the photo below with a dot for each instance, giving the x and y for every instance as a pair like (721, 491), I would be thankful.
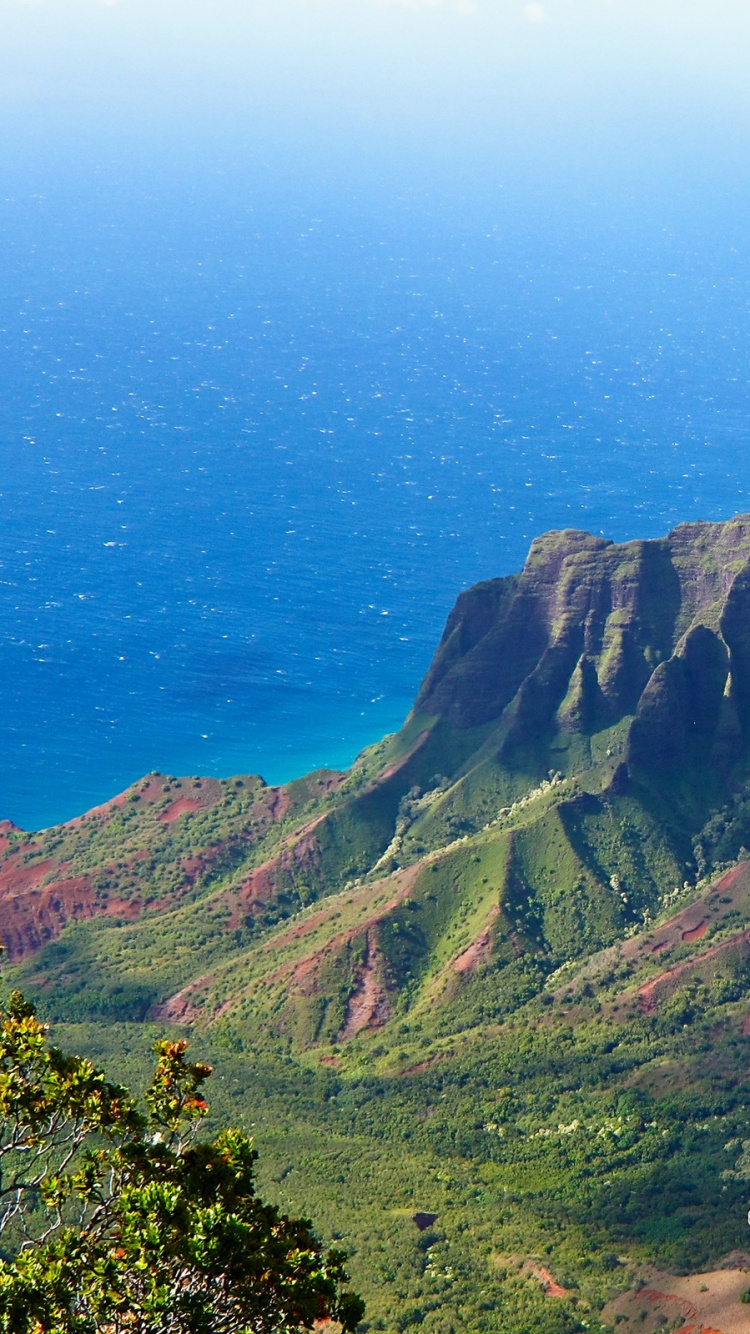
(115, 1220)
(498, 972)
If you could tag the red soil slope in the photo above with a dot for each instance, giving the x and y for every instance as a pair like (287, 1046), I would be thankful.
(47, 880)
(706, 1303)
(479, 950)
(369, 1005)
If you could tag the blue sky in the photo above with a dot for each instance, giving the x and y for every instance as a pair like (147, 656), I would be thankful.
(513, 231)
(407, 71)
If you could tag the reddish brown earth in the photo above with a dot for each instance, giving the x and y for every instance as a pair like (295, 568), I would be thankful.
(259, 886)
(195, 866)
(706, 1303)
(292, 967)
(692, 922)
(695, 933)
(368, 1005)
(420, 1067)
(37, 913)
(648, 994)
(182, 806)
(200, 795)
(551, 1287)
(38, 898)
(127, 908)
(180, 1008)
(7, 827)
(15, 878)
(299, 853)
(303, 972)
(278, 803)
(680, 1305)
(298, 932)
(730, 877)
(479, 950)
(549, 1284)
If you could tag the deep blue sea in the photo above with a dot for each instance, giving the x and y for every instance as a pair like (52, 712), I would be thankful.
(255, 438)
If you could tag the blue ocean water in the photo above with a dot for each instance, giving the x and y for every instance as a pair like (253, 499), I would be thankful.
(255, 440)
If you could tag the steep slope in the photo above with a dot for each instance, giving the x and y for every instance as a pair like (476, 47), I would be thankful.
(596, 1131)
(497, 974)
(573, 641)
(578, 750)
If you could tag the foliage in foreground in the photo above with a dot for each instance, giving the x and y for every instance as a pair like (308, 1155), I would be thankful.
(119, 1221)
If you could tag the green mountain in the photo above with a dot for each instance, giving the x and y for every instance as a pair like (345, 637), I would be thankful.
(497, 972)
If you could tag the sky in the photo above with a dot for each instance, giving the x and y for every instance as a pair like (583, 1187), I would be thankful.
(562, 81)
(466, 210)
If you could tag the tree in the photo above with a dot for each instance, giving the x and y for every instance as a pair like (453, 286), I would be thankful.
(122, 1222)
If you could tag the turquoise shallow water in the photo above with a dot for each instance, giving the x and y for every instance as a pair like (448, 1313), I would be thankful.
(254, 444)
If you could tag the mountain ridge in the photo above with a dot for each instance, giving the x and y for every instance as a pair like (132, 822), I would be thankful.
(498, 972)
(580, 726)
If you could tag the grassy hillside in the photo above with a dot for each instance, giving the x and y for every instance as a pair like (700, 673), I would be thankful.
(498, 972)
(602, 1125)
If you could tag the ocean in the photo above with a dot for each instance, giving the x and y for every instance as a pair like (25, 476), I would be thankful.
(256, 438)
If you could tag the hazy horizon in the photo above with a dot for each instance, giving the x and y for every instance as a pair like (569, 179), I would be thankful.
(313, 313)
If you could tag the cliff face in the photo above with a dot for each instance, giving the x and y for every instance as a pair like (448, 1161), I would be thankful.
(578, 752)
(591, 634)
(512, 942)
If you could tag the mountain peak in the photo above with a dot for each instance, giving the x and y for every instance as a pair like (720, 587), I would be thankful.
(573, 641)
(578, 753)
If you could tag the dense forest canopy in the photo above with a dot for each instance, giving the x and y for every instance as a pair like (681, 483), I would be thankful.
(116, 1219)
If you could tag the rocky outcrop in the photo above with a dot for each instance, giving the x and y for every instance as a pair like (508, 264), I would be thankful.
(578, 750)
(590, 633)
